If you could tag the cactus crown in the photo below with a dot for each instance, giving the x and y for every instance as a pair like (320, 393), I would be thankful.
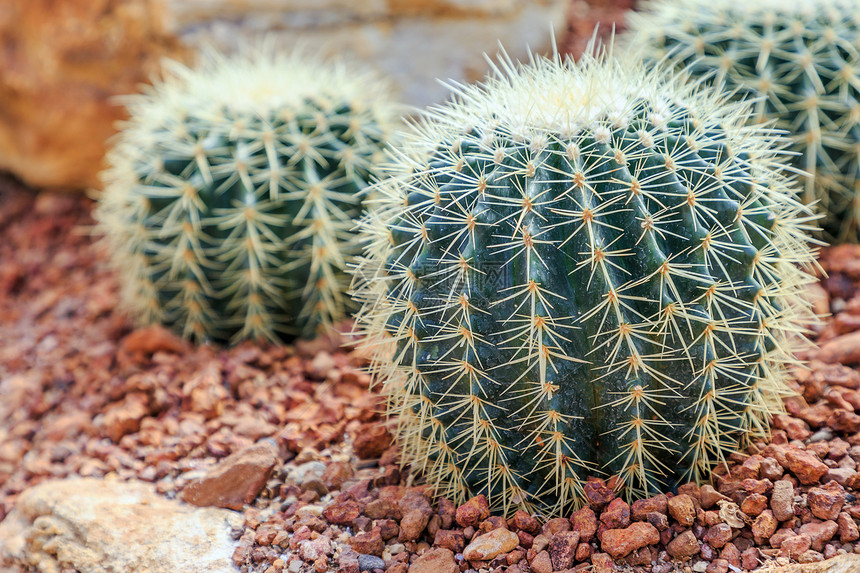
(798, 61)
(580, 269)
(232, 190)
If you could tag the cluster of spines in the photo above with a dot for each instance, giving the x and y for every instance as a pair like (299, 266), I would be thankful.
(229, 205)
(502, 386)
(800, 64)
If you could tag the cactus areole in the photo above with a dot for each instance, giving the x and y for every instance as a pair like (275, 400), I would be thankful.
(799, 60)
(581, 269)
(233, 189)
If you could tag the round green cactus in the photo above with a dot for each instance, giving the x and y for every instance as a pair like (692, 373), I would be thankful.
(581, 269)
(232, 190)
(798, 61)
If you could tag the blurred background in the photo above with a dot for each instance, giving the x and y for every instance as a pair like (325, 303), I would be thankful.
(62, 62)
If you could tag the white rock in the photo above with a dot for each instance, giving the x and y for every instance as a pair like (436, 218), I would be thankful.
(98, 526)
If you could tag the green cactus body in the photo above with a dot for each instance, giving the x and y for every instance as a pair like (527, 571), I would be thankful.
(799, 59)
(232, 190)
(581, 269)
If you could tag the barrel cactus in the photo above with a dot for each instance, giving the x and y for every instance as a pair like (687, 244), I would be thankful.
(798, 60)
(233, 189)
(581, 269)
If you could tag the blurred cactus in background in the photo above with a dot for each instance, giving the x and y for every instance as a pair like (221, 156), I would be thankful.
(799, 62)
(582, 269)
(232, 190)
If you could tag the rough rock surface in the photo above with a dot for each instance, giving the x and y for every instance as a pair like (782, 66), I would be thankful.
(94, 525)
(64, 62)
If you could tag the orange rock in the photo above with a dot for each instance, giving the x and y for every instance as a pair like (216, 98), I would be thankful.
(63, 62)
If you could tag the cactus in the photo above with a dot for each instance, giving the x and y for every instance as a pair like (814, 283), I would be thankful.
(581, 269)
(232, 191)
(799, 60)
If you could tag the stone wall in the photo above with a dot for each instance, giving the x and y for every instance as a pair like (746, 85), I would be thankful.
(63, 61)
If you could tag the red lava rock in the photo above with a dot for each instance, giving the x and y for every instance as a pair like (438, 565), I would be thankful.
(771, 469)
(151, 339)
(805, 466)
(371, 440)
(388, 528)
(383, 508)
(342, 512)
(843, 349)
(336, 474)
(236, 480)
(621, 542)
(847, 528)
(842, 421)
(710, 497)
(764, 526)
(642, 507)
(616, 515)
(542, 563)
(452, 539)
(826, 502)
(842, 476)
(473, 511)
(795, 545)
(553, 526)
(124, 417)
(491, 544)
(522, 520)
(598, 493)
(436, 560)
(731, 554)
(369, 543)
(602, 563)
(584, 522)
(682, 509)
(684, 546)
(583, 552)
(412, 525)
(447, 511)
(718, 535)
(820, 533)
(494, 522)
(658, 520)
(749, 559)
(312, 549)
(754, 504)
(562, 549)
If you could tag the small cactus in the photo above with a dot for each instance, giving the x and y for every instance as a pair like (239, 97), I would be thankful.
(581, 269)
(797, 60)
(232, 190)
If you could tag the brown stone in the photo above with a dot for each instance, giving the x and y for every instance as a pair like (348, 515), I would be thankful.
(749, 559)
(583, 552)
(371, 440)
(782, 500)
(369, 542)
(602, 563)
(718, 535)
(584, 522)
(412, 525)
(754, 504)
(826, 502)
(621, 542)
(820, 533)
(562, 549)
(795, 545)
(684, 546)
(526, 522)
(764, 526)
(616, 515)
(542, 563)
(847, 528)
(452, 539)
(490, 545)
(731, 554)
(806, 467)
(553, 526)
(843, 349)
(436, 560)
(710, 496)
(598, 493)
(123, 417)
(342, 512)
(236, 480)
(682, 509)
(642, 507)
(473, 511)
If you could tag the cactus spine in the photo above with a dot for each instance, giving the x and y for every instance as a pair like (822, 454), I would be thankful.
(581, 269)
(800, 59)
(232, 190)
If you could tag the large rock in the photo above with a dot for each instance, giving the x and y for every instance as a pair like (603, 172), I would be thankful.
(63, 62)
(97, 526)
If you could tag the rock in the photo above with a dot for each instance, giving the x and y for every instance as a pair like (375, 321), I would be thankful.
(710, 496)
(236, 480)
(436, 560)
(67, 64)
(782, 500)
(795, 545)
(843, 349)
(820, 533)
(371, 440)
(621, 542)
(106, 525)
(342, 512)
(319, 367)
(555, 525)
(642, 507)
(473, 512)
(718, 535)
(598, 493)
(842, 476)
(368, 542)
(123, 417)
(615, 516)
(847, 528)
(490, 545)
(413, 524)
(522, 520)
(684, 546)
(682, 509)
(754, 504)
(369, 562)
(764, 526)
(826, 502)
(562, 549)
(542, 563)
(312, 549)
(584, 522)
(749, 559)
(151, 339)
(452, 539)
(602, 563)
(805, 466)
